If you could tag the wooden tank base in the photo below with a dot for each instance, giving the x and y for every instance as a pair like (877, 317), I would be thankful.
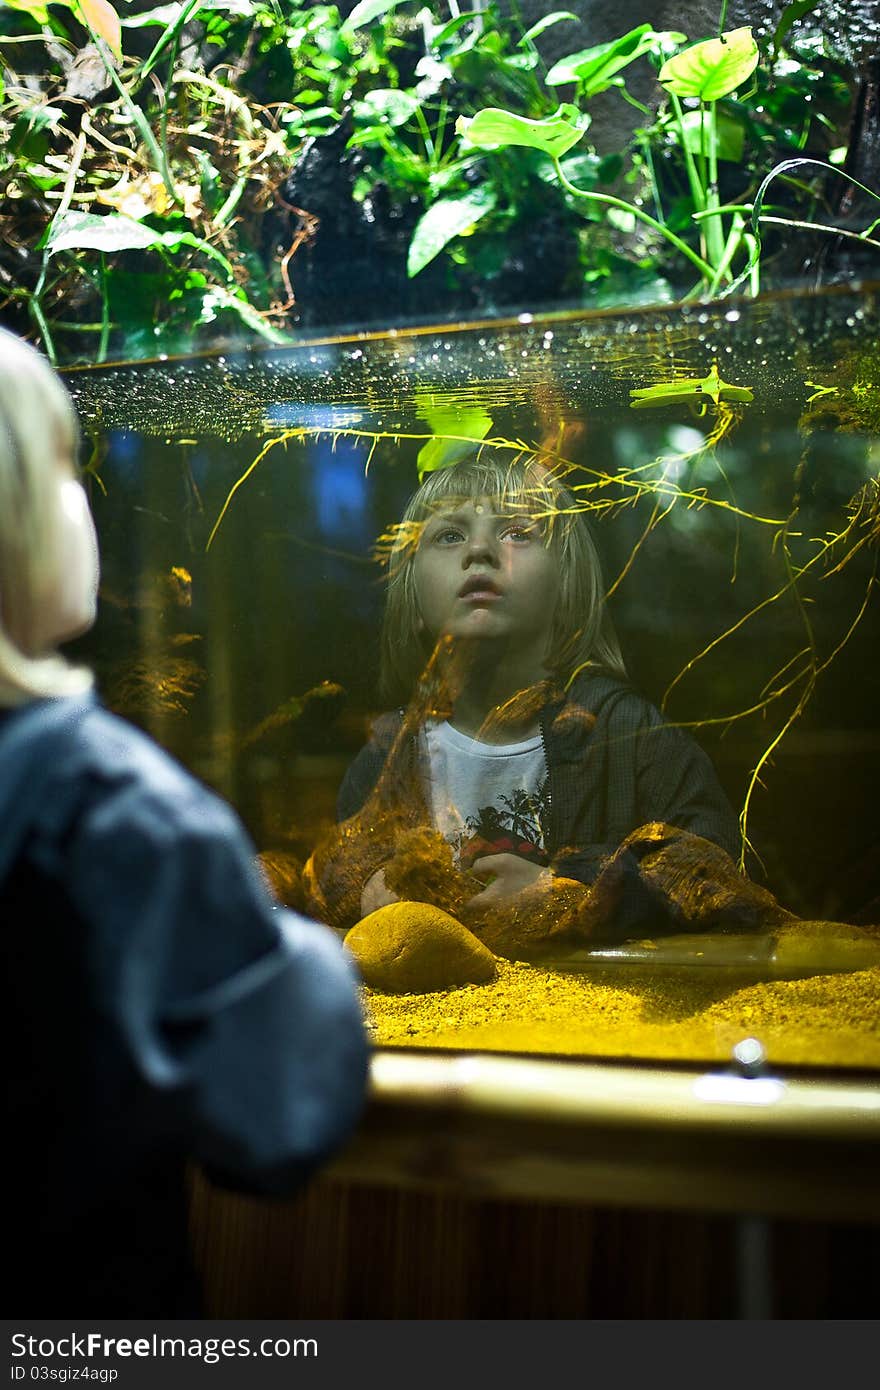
(484, 1187)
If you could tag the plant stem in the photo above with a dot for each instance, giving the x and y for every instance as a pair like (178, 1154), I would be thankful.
(160, 163)
(426, 137)
(697, 191)
(230, 203)
(37, 311)
(652, 174)
(722, 17)
(821, 227)
(731, 246)
(706, 270)
(105, 313)
(714, 225)
(35, 304)
(754, 249)
(169, 35)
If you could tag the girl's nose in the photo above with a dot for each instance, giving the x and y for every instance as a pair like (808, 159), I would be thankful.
(481, 548)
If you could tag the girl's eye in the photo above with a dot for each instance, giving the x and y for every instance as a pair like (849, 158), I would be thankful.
(518, 533)
(448, 536)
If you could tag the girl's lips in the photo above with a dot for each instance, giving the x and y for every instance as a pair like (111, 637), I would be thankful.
(480, 596)
(478, 587)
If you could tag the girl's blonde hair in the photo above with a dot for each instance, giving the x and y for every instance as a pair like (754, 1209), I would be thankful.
(38, 432)
(581, 632)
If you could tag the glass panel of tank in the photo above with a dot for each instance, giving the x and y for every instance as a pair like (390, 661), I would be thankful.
(727, 460)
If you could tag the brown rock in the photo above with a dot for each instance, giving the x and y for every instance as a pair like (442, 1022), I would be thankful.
(283, 872)
(410, 948)
(664, 880)
(534, 923)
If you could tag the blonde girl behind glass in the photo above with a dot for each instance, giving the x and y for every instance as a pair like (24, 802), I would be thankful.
(581, 631)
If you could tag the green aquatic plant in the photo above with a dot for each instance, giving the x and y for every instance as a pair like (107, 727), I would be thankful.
(454, 429)
(850, 399)
(695, 392)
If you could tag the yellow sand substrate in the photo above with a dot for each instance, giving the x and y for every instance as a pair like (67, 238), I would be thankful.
(823, 1020)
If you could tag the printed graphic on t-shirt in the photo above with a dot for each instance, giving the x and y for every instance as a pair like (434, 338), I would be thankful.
(513, 825)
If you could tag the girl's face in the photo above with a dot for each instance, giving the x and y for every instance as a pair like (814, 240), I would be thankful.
(68, 604)
(482, 570)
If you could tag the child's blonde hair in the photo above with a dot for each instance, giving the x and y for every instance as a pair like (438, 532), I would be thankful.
(581, 630)
(38, 432)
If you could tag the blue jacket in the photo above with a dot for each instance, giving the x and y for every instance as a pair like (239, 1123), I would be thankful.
(161, 1007)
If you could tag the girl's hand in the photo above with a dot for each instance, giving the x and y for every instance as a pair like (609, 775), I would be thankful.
(509, 875)
(376, 894)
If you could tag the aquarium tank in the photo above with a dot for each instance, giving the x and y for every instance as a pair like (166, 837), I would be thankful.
(294, 260)
(727, 457)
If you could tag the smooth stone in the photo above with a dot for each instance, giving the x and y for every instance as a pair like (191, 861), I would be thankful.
(412, 948)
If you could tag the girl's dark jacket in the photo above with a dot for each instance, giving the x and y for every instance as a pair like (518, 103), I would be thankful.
(613, 764)
(160, 1007)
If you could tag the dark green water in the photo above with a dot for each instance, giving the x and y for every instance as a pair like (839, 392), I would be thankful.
(288, 595)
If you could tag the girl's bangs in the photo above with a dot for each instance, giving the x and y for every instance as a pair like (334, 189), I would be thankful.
(518, 486)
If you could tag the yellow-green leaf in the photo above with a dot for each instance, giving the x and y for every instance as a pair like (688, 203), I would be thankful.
(689, 389)
(455, 431)
(494, 128)
(712, 69)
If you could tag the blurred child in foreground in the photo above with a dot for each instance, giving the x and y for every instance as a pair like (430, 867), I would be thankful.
(162, 1006)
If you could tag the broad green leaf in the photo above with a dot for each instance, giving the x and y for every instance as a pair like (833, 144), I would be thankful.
(494, 128)
(622, 219)
(386, 104)
(101, 16)
(441, 179)
(729, 135)
(115, 232)
(432, 73)
(448, 218)
(583, 170)
(593, 68)
(308, 96)
(365, 12)
(712, 69)
(690, 389)
(370, 135)
(312, 116)
(443, 451)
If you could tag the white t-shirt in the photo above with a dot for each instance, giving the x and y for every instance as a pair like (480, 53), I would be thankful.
(486, 798)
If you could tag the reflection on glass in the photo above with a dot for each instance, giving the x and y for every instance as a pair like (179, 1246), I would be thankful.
(681, 849)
